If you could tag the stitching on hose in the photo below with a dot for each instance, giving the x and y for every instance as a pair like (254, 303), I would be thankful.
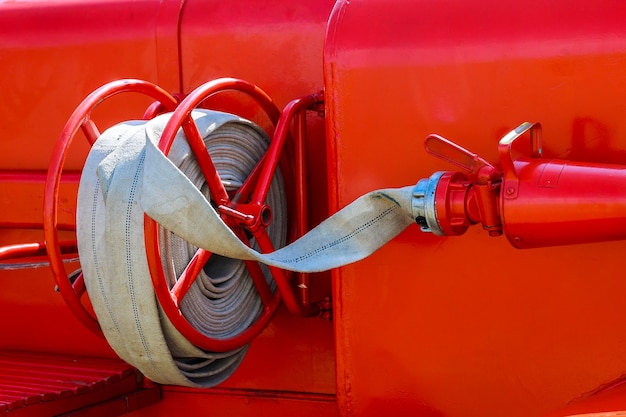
(344, 238)
(129, 267)
(96, 262)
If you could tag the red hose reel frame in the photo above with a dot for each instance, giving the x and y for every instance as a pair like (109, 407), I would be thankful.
(236, 211)
(250, 215)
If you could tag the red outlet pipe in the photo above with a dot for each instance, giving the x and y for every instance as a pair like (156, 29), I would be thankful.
(536, 202)
(562, 202)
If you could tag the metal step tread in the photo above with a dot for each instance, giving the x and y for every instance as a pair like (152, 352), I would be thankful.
(35, 383)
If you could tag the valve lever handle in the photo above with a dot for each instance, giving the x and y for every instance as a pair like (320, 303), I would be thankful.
(449, 151)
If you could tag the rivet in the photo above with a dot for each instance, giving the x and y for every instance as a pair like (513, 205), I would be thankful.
(510, 190)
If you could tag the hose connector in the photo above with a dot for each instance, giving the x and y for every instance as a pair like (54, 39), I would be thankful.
(444, 204)
(423, 204)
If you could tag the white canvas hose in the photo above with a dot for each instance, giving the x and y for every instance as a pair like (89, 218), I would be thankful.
(126, 175)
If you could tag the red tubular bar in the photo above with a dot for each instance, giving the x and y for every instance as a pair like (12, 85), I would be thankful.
(188, 276)
(282, 282)
(28, 250)
(80, 119)
(276, 146)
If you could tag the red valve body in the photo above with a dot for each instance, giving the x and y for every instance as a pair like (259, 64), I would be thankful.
(455, 207)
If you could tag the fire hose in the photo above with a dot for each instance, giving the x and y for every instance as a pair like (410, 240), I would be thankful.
(126, 175)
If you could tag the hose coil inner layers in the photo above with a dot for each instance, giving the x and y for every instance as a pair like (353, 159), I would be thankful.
(221, 303)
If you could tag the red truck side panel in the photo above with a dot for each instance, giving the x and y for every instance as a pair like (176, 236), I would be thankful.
(469, 326)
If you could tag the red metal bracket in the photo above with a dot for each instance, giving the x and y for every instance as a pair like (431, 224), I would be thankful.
(507, 159)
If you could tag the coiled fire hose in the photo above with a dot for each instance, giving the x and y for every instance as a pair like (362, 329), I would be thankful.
(126, 175)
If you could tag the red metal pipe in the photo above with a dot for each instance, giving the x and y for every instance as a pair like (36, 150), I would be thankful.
(556, 202)
(538, 202)
(278, 141)
(283, 283)
(188, 276)
(563, 202)
(28, 250)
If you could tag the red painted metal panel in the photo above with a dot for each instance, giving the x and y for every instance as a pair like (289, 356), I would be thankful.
(52, 70)
(467, 326)
(21, 199)
(54, 53)
(278, 47)
(457, 326)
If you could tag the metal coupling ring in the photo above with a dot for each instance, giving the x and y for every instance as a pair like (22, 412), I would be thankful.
(423, 204)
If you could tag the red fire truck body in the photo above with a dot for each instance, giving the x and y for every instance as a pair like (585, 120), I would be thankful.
(521, 316)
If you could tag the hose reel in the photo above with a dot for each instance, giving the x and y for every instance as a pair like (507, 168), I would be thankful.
(162, 196)
(219, 300)
(223, 301)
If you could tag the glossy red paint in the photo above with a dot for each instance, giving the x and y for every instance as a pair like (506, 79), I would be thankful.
(468, 325)
(54, 54)
(436, 326)
(225, 402)
(61, 51)
(549, 202)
